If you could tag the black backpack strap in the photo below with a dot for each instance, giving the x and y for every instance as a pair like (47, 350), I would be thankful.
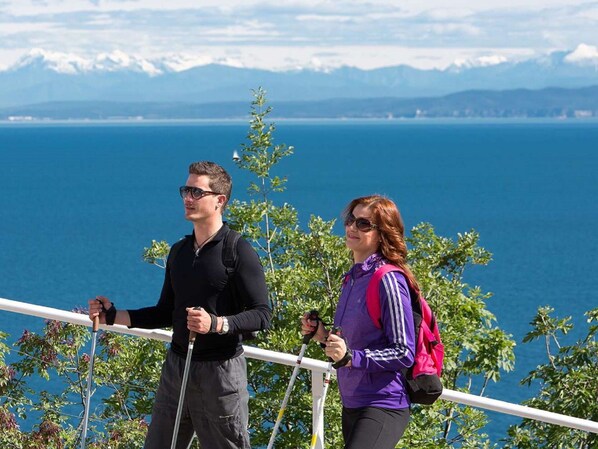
(229, 251)
(174, 249)
(230, 255)
(229, 260)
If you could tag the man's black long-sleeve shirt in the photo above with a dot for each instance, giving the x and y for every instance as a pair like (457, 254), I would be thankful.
(192, 281)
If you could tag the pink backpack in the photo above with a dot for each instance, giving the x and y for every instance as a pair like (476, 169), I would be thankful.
(423, 378)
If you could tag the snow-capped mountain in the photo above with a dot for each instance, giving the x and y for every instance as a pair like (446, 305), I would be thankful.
(116, 61)
(71, 64)
(43, 76)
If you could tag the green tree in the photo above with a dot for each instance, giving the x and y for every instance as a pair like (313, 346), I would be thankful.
(568, 385)
(303, 271)
(12, 400)
(55, 351)
(125, 376)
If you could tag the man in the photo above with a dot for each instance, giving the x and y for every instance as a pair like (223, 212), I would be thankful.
(198, 296)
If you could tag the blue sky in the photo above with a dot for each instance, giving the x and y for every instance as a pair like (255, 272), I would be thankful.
(293, 34)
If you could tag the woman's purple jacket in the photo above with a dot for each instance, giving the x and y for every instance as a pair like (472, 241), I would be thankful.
(379, 355)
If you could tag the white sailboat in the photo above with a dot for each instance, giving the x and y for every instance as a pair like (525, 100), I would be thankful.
(236, 156)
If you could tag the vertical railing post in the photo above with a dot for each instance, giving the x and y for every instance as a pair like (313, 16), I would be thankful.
(317, 391)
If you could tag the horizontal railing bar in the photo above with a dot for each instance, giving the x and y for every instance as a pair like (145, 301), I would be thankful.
(156, 334)
(311, 364)
(522, 411)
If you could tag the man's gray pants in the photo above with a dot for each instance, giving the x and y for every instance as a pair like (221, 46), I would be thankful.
(215, 406)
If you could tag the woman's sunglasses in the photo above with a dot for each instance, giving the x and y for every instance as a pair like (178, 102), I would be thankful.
(363, 224)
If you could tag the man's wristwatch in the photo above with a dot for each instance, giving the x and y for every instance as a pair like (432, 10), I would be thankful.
(224, 329)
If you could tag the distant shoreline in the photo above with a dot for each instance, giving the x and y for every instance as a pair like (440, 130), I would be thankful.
(320, 121)
(557, 104)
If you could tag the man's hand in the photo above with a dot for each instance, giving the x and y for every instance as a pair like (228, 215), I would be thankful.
(97, 307)
(198, 320)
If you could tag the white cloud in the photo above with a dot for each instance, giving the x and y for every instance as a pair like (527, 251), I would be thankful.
(480, 61)
(254, 32)
(8, 28)
(32, 7)
(444, 13)
(102, 20)
(455, 28)
(246, 30)
(323, 18)
(583, 55)
(589, 14)
(418, 6)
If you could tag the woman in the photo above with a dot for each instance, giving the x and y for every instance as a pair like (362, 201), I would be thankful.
(369, 360)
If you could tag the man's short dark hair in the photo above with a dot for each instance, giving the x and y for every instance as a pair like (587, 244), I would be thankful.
(220, 180)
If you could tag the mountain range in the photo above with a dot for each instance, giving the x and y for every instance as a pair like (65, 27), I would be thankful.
(49, 81)
(520, 103)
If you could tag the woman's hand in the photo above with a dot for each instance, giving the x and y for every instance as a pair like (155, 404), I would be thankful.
(315, 327)
(336, 348)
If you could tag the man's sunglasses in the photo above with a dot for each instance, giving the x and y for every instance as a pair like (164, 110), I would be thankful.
(363, 224)
(196, 192)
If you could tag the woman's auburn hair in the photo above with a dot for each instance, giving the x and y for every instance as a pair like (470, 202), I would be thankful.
(386, 216)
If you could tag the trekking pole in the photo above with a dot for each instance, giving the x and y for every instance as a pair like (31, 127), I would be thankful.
(191, 442)
(179, 410)
(313, 315)
(320, 411)
(94, 333)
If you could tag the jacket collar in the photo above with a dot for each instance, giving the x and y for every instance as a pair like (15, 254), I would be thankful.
(219, 235)
(369, 265)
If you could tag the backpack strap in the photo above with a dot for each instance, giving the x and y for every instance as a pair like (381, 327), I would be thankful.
(229, 251)
(230, 256)
(372, 294)
(174, 249)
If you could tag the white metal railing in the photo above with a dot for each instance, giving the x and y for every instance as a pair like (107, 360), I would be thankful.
(316, 367)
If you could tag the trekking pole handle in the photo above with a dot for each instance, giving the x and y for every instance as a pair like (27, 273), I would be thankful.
(193, 334)
(336, 330)
(313, 315)
(96, 324)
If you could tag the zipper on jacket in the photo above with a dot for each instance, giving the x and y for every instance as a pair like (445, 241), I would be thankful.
(351, 281)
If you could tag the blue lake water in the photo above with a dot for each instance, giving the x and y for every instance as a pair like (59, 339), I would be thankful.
(79, 202)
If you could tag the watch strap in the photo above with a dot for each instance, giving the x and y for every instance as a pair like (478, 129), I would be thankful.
(342, 362)
(110, 314)
(213, 324)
